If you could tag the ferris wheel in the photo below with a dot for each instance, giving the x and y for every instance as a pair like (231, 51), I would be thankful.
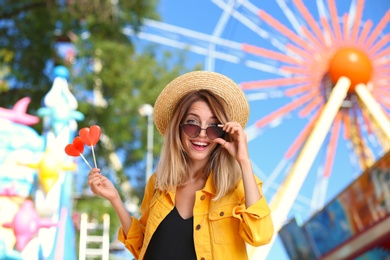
(317, 71)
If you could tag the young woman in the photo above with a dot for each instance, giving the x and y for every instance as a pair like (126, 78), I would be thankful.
(203, 201)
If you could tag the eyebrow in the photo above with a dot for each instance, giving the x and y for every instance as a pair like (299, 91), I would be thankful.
(196, 115)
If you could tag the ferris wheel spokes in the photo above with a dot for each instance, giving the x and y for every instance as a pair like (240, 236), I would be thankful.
(373, 107)
(283, 200)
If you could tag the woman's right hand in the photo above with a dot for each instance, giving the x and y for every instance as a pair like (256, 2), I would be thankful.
(101, 185)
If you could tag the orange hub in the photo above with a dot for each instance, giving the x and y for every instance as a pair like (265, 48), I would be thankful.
(351, 63)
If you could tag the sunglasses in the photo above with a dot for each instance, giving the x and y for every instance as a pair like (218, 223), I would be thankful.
(193, 131)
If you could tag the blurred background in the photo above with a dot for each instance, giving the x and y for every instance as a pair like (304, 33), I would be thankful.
(316, 75)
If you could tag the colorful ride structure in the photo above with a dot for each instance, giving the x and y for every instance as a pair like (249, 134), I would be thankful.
(353, 225)
(36, 176)
(324, 63)
(338, 75)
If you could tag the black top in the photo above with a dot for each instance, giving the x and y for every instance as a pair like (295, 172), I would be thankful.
(173, 239)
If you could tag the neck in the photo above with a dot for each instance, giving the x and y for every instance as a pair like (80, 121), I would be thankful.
(194, 175)
(196, 170)
(196, 179)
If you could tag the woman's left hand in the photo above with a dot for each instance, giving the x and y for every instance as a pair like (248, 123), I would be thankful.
(238, 148)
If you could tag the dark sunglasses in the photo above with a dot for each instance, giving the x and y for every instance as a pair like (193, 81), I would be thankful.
(193, 131)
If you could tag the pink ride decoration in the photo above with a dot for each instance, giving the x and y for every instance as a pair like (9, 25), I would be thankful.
(18, 113)
(26, 224)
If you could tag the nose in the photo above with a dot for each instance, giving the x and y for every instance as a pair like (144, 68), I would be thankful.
(202, 132)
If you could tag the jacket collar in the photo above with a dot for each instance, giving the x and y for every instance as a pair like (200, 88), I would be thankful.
(209, 187)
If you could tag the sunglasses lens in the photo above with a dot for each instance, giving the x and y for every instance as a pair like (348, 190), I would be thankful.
(191, 130)
(214, 132)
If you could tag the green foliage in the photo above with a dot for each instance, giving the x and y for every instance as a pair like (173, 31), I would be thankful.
(108, 77)
(30, 30)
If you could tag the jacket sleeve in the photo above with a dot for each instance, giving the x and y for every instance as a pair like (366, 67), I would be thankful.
(134, 238)
(256, 226)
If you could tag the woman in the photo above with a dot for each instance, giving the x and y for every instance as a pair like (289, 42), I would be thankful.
(203, 201)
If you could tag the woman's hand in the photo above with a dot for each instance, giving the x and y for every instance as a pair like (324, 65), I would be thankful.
(238, 148)
(101, 185)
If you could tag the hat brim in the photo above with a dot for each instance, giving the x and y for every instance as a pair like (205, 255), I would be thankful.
(220, 85)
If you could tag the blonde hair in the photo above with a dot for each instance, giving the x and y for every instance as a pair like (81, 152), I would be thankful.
(173, 169)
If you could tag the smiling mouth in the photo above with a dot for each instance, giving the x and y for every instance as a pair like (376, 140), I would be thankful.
(200, 144)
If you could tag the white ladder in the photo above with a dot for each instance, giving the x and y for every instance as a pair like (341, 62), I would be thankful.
(85, 249)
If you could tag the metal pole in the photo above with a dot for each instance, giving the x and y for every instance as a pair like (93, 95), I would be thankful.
(283, 200)
(374, 108)
(149, 156)
(147, 110)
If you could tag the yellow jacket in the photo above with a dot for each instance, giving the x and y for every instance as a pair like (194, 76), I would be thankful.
(221, 227)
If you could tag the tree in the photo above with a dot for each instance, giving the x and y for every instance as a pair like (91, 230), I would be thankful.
(30, 30)
(108, 76)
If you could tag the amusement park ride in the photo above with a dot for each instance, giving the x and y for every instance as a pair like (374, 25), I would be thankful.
(334, 68)
(36, 177)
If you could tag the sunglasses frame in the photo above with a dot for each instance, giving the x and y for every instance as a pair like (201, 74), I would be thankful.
(200, 130)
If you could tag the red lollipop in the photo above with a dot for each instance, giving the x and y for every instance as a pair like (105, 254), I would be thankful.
(76, 148)
(90, 136)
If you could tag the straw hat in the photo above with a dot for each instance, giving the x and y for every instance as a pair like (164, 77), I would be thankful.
(220, 85)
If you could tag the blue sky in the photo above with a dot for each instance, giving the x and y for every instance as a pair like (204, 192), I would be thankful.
(270, 143)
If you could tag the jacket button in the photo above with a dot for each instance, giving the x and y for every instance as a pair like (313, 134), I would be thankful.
(202, 197)
(197, 227)
(221, 213)
(203, 258)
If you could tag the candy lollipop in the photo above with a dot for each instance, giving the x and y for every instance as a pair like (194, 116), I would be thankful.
(76, 149)
(90, 136)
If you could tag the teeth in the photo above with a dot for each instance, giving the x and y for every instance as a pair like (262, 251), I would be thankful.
(200, 143)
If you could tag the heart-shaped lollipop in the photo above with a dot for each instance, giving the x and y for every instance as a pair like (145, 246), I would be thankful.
(76, 148)
(90, 136)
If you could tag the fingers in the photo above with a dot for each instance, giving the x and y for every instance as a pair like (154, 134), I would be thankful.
(234, 129)
(94, 176)
(237, 146)
(231, 127)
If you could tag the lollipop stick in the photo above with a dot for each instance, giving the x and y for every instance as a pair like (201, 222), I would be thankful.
(86, 161)
(94, 158)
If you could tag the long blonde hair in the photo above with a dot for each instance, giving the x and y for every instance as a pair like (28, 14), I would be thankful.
(172, 169)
